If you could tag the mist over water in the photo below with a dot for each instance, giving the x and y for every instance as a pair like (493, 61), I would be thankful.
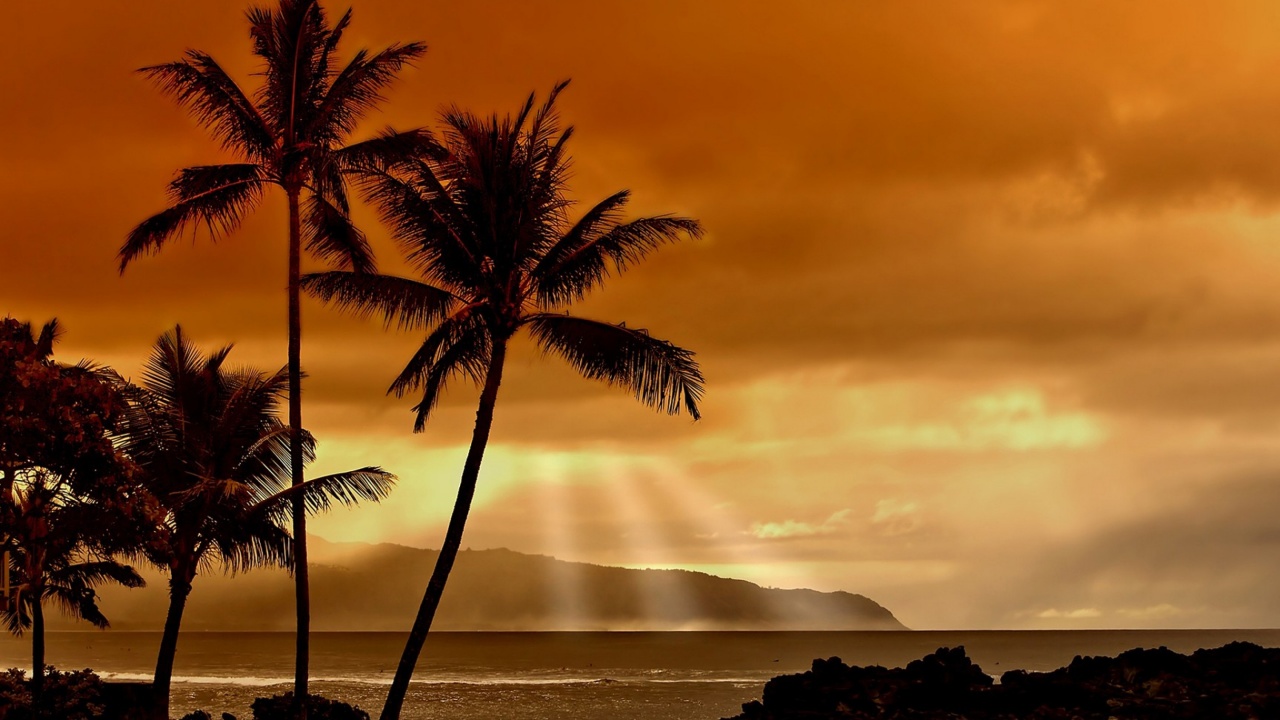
(586, 676)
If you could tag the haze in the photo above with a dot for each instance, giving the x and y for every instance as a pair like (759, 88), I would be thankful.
(987, 305)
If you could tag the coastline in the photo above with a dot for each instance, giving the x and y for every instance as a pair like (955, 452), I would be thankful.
(603, 675)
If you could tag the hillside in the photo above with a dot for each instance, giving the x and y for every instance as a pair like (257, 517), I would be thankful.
(357, 587)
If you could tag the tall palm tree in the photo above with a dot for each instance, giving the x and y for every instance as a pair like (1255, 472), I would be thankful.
(54, 557)
(289, 134)
(214, 454)
(483, 218)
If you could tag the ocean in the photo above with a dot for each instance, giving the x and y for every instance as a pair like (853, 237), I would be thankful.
(577, 676)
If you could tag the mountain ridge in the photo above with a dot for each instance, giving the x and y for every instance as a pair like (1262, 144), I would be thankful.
(377, 587)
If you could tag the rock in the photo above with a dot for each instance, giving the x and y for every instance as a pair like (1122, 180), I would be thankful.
(1234, 682)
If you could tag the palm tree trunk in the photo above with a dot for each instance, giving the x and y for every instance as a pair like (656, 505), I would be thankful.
(453, 537)
(178, 591)
(37, 653)
(300, 574)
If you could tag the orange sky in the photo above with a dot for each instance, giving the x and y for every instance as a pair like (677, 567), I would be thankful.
(986, 305)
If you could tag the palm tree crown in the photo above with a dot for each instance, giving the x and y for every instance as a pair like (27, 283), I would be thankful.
(53, 557)
(483, 217)
(290, 133)
(210, 447)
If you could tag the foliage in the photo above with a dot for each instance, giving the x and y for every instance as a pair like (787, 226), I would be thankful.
(60, 476)
(288, 133)
(278, 707)
(74, 695)
(209, 444)
(56, 554)
(483, 217)
(54, 418)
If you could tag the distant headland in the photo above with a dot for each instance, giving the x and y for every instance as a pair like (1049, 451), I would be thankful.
(360, 587)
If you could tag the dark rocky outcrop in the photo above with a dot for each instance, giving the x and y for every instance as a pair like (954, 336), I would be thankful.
(1236, 681)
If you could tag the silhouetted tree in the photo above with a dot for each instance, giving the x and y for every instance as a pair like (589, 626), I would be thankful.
(56, 554)
(289, 134)
(483, 219)
(67, 499)
(209, 446)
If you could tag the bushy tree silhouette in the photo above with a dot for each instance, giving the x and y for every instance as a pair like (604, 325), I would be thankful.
(67, 498)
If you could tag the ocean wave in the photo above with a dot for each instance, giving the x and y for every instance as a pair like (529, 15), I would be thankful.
(199, 679)
(381, 680)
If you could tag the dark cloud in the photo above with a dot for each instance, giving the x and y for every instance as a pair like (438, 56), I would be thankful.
(916, 213)
(1207, 559)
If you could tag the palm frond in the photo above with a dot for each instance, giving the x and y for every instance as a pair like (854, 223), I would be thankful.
(265, 465)
(201, 86)
(386, 150)
(468, 357)
(256, 541)
(358, 88)
(407, 303)
(72, 587)
(435, 235)
(247, 408)
(213, 493)
(292, 41)
(546, 123)
(95, 573)
(319, 494)
(546, 151)
(49, 334)
(660, 374)
(77, 601)
(217, 196)
(325, 58)
(601, 217)
(453, 330)
(330, 235)
(17, 614)
(177, 372)
(577, 271)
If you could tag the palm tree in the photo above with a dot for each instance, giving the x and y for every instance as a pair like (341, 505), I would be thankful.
(291, 135)
(483, 219)
(54, 557)
(211, 449)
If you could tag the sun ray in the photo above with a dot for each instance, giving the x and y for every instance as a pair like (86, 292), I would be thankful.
(555, 498)
(663, 598)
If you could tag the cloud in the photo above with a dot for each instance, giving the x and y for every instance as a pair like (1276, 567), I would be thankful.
(1158, 613)
(795, 529)
(997, 281)
(896, 517)
(1079, 614)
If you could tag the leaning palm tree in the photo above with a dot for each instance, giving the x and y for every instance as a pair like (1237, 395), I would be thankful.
(53, 557)
(289, 134)
(483, 219)
(210, 448)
